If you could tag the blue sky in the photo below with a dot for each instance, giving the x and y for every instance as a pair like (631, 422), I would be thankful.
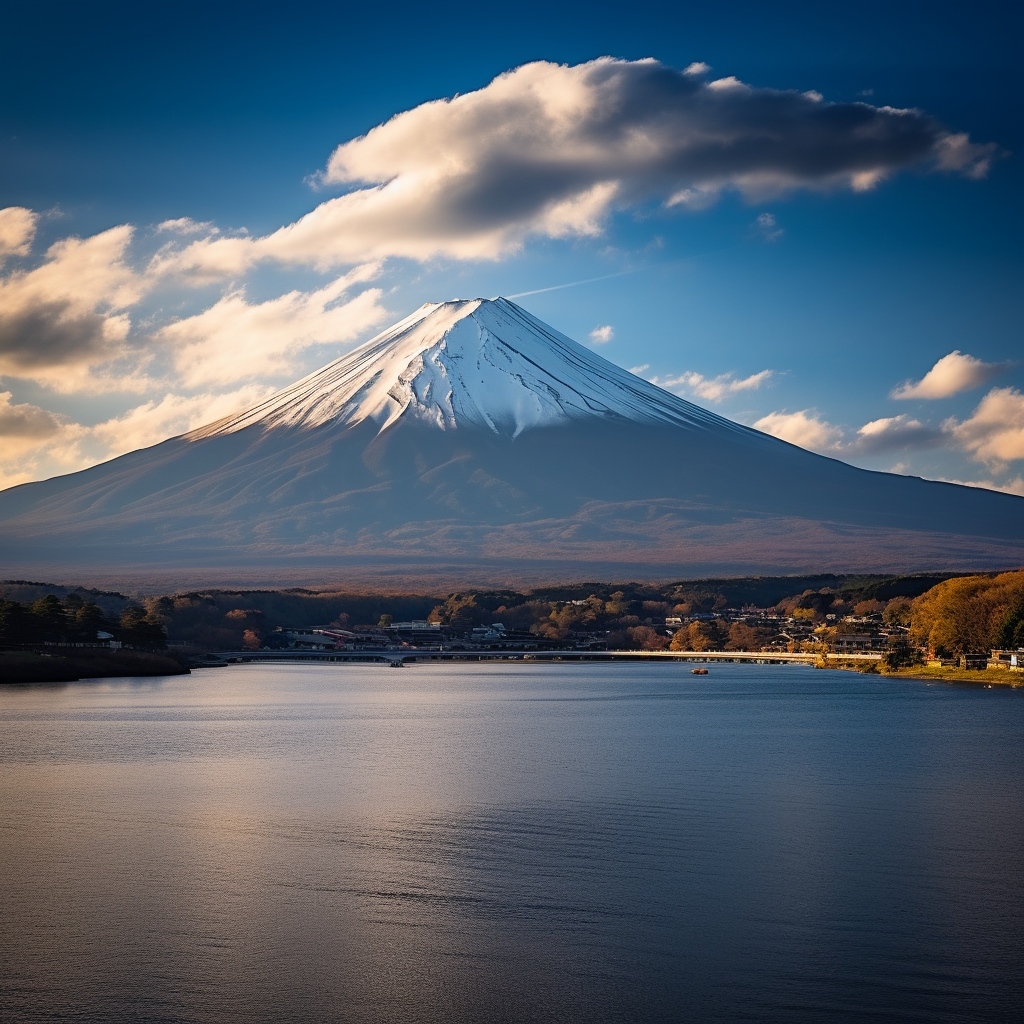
(840, 264)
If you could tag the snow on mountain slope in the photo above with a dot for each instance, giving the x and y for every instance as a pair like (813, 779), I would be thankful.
(475, 362)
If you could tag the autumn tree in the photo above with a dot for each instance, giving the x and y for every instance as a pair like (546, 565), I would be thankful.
(646, 639)
(869, 607)
(1010, 632)
(743, 638)
(572, 618)
(680, 640)
(460, 611)
(969, 615)
(897, 612)
(697, 636)
(655, 609)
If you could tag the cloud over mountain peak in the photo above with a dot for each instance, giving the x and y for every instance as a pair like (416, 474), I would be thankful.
(552, 150)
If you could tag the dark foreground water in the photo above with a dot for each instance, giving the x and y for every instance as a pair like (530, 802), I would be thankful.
(503, 843)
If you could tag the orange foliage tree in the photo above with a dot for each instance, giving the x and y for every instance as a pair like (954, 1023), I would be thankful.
(970, 615)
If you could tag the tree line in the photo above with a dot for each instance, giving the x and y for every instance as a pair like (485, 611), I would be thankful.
(971, 615)
(628, 615)
(73, 620)
(949, 615)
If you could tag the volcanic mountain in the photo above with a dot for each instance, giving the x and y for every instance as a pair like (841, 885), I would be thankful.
(471, 440)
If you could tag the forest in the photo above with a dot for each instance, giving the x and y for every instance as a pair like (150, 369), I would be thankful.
(947, 615)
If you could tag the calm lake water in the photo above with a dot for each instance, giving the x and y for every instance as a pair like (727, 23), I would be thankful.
(511, 843)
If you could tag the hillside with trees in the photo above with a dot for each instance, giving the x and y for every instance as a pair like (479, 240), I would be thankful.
(971, 615)
(948, 616)
(76, 622)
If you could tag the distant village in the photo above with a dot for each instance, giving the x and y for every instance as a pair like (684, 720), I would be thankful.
(730, 629)
(965, 621)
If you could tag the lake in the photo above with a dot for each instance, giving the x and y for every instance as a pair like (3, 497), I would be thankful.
(509, 842)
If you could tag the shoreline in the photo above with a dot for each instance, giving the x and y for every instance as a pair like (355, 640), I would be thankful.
(33, 667)
(928, 674)
(18, 667)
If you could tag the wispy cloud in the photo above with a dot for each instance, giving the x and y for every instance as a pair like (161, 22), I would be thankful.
(713, 389)
(173, 414)
(17, 229)
(187, 226)
(585, 280)
(767, 227)
(952, 374)
(602, 335)
(237, 340)
(34, 443)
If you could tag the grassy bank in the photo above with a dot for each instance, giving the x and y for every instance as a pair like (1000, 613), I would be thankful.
(988, 676)
(33, 667)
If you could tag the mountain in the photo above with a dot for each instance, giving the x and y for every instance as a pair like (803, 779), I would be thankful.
(473, 442)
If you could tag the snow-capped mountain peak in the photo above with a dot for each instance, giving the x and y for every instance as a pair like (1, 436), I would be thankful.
(471, 362)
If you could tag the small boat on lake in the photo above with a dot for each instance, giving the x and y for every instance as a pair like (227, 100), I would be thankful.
(699, 671)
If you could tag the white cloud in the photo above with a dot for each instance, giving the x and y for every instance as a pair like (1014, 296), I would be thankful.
(237, 340)
(602, 335)
(767, 227)
(729, 84)
(958, 153)
(48, 445)
(697, 68)
(155, 421)
(952, 374)
(713, 389)
(640, 369)
(895, 433)
(552, 150)
(68, 314)
(694, 198)
(803, 428)
(994, 433)
(24, 426)
(187, 226)
(17, 229)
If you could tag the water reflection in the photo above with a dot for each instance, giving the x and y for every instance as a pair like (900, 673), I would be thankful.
(561, 843)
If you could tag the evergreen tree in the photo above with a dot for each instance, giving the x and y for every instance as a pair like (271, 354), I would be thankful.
(50, 622)
(141, 630)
